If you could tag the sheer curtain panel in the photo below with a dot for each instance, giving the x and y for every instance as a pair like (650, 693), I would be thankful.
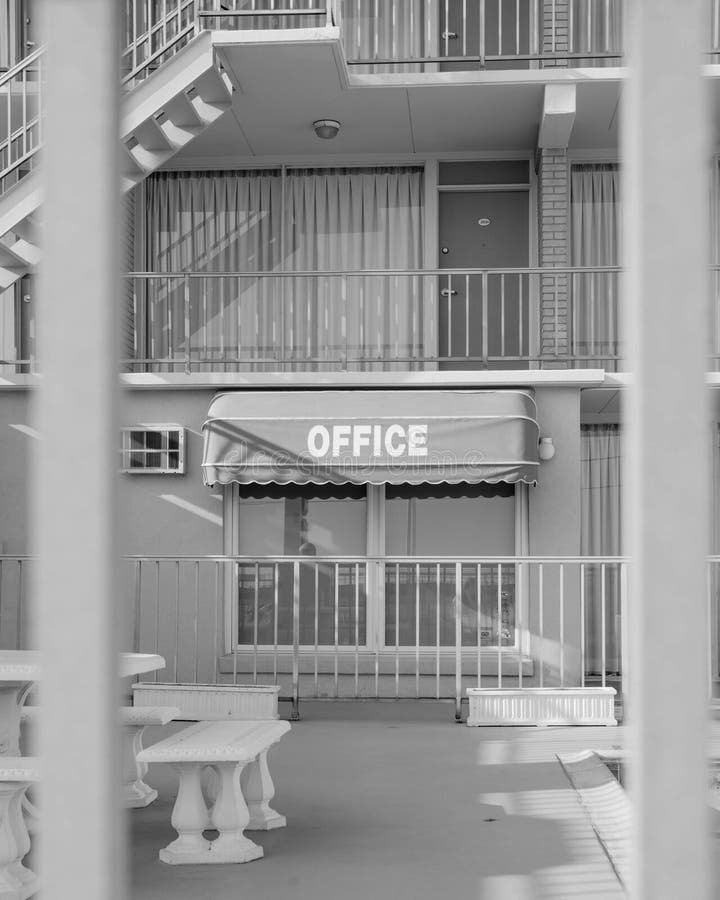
(595, 239)
(354, 220)
(329, 220)
(601, 535)
(219, 222)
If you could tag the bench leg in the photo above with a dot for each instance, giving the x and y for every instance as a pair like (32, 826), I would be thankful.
(135, 793)
(16, 881)
(230, 816)
(189, 818)
(258, 788)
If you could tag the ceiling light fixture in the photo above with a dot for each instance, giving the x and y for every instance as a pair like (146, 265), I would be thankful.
(326, 128)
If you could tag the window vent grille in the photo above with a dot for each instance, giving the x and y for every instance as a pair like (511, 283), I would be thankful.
(153, 450)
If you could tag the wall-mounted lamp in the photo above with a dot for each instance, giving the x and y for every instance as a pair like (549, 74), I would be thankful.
(546, 448)
(326, 128)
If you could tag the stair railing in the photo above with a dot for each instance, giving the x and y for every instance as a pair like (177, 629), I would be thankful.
(154, 31)
(21, 120)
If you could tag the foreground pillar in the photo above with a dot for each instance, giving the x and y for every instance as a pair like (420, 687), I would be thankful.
(666, 157)
(81, 846)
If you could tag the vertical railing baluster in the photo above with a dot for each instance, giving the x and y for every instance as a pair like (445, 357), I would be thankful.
(485, 317)
(541, 623)
(138, 588)
(499, 625)
(467, 316)
(478, 593)
(276, 566)
(521, 338)
(519, 615)
(379, 570)
(295, 713)
(397, 630)
(337, 610)
(256, 610)
(235, 617)
(556, 318)
(357, 626)
(437, 631)
(499, 4)
(502, 315)
(603, 631)
(417, 630)
(553, 27)
(446, 34)
(21, 606)
(317, 626)
(481, 35)
(458, 642)
(562, 624)
(582, 625)
(196, 619)
(216, 625)
(464, 28)
(449, 316)
(177, 620)
(157, 611)
(571, 27)
(517, 27)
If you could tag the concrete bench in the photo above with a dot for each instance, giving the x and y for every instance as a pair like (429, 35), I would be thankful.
(237, 751)
(17, 773)
(134, 720)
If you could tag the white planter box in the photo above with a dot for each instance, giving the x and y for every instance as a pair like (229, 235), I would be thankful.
(211, 701)
(542, 706)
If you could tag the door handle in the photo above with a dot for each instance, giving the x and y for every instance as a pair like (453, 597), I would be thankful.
(449, 35)
(446, 292)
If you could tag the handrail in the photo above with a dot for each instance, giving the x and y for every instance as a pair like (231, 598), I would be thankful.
(21, 125)
(23, 64)
(368, 273)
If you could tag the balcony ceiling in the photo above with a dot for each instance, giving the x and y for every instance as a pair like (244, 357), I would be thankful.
(284, 87)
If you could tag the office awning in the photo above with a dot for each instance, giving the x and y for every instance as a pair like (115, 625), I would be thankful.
(371, 437)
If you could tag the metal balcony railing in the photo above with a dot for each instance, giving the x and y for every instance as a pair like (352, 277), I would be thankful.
(20, 118)
(379, 319)
(368, 626)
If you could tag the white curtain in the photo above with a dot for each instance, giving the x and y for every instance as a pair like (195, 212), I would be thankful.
(379, 29)
(595, 241)
(335, 220)
(354, 219)
(596, 28)
(601, 535)
(213, 223)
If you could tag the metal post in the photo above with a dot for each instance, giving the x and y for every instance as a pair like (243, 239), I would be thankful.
(75, 589)
(458, 642)
(295, 714)
(666, 120)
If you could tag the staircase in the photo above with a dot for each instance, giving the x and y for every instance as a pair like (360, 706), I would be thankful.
(160, 115)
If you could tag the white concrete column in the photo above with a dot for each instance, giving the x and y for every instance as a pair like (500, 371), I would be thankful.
(666, 152)
(81, 852)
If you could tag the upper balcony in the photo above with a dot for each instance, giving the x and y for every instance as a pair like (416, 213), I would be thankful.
(398, 36)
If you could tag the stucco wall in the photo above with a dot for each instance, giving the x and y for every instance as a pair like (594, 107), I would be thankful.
(171, 515)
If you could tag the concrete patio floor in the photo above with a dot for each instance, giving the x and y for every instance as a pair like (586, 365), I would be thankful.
(393, 800)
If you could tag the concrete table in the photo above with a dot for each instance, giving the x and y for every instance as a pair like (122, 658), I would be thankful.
(20, 669)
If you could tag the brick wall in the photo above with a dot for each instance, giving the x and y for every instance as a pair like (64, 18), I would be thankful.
(555, 35)
(553, 215)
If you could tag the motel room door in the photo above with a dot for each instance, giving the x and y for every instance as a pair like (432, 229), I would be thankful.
(484, 321)
(506, 30)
